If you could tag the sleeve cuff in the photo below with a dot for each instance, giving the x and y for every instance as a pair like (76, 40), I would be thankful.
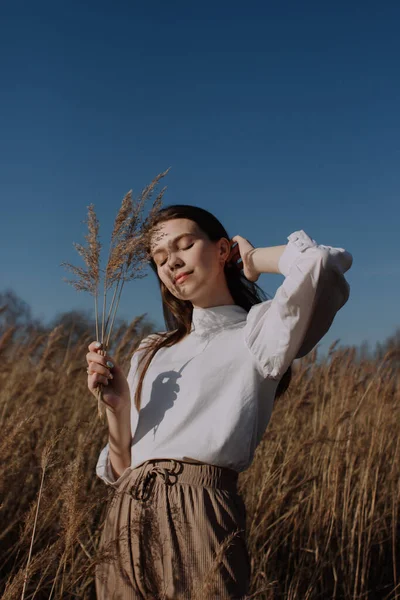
(298, 242)
(104, 470)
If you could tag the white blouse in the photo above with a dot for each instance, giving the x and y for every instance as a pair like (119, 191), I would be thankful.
(209, 398)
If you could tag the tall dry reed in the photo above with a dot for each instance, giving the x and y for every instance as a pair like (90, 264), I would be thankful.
(127, 259)
(322, 494)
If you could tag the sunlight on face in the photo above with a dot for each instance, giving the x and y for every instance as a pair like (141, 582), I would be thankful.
(180, 246)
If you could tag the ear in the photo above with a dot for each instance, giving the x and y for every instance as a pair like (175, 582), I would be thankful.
(224, 248)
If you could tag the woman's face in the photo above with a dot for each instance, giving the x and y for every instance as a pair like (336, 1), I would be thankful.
(180, 246)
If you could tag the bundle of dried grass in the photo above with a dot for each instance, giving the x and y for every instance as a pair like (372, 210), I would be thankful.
(126, 261)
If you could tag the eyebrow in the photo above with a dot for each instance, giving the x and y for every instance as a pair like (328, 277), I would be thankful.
(171, 242)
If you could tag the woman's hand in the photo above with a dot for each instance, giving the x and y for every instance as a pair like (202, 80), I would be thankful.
(102, 369)
(243, 250)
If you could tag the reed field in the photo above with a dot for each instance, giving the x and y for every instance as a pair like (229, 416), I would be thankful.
(322, 494)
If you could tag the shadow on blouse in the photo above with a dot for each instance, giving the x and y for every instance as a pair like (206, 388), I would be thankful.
(164, 392)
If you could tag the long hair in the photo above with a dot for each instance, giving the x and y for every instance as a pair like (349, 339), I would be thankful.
(178, 313)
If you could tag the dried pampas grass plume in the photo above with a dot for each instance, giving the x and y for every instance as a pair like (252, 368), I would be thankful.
(127, 258)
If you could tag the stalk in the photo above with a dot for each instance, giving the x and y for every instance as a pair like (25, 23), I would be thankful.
(96, 312)
(54, 581)
(33, 533)
(112, 303)
(104, 309)
(115, 312)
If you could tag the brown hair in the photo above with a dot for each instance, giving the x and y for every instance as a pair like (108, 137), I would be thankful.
(178, 313)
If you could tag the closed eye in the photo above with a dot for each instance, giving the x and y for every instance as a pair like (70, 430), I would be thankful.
(187, 248)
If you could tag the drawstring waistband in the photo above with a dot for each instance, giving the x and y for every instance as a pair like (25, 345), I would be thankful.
(168, 476)
(169, 471)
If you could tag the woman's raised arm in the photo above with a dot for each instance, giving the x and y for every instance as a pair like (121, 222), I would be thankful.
(287, 327)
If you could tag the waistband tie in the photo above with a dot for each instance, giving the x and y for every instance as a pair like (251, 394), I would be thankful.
(142, 490)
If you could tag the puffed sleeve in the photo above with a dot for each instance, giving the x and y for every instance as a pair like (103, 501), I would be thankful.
(103, 467)
(289, 326)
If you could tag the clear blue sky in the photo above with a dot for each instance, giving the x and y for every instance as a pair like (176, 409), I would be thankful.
(274, 116)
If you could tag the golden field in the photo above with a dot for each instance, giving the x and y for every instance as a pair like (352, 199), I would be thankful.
(322, 494)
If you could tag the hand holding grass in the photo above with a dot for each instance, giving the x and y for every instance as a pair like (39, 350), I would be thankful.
(103, 370)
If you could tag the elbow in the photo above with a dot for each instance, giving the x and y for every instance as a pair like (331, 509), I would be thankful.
(335, 259)
(276, 367)
(334, 263)
(117, 472)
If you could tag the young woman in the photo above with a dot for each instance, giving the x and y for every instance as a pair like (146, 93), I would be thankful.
(197, 400)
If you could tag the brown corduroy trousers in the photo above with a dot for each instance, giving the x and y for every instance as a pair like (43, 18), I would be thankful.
(174, 530)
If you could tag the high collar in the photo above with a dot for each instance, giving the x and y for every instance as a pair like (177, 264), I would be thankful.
(207, 320)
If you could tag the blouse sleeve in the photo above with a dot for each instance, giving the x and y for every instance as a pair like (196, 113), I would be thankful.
(289, 326)
(103, 467)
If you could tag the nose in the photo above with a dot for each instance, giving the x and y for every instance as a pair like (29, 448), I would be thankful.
(174, 261)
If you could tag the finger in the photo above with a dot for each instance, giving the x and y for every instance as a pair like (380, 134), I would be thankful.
(95, 380)
(106, 361)
(234, 246)
(245, 243)
(95, 346)
(235, 257)
(96, 368)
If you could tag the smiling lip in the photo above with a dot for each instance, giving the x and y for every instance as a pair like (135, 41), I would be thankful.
(182, 277)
